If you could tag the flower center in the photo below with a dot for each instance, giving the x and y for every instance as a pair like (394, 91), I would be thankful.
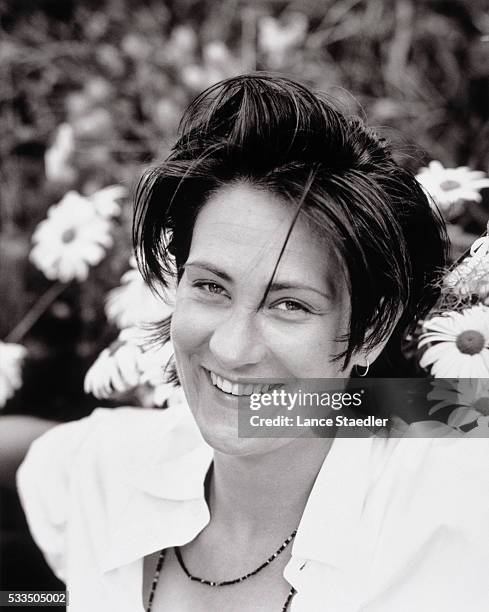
(482, 405)
(68, 235)
(470, 342)
(449, 185)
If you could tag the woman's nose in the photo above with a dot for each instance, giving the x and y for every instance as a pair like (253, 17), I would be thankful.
(236, 341)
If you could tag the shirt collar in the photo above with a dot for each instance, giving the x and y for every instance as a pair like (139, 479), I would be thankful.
(327, 530)
(166, 506)
(165, 503)
(176, 458)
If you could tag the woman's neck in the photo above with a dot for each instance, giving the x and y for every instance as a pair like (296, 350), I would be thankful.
(256, 494)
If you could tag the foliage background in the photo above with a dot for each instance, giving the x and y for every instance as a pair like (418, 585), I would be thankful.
(120, 73)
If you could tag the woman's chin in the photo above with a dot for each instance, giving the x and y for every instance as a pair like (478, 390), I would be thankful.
(216, 414)
(225, 440)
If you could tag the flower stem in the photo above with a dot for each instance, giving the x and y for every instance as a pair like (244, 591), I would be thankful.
(35, 312)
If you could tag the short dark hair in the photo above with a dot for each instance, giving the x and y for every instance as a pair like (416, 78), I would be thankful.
(279, 135)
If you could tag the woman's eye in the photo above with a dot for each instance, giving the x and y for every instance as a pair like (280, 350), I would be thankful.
(291, 306)
(208, 287)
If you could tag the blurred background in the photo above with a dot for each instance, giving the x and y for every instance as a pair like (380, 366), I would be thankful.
(91, 92)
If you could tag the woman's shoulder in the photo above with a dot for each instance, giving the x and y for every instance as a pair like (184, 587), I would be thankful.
(85, 471)
(402, 519)
(425, 524)
(132, 446)
(122, 435)
(436, 463)
(433, 493)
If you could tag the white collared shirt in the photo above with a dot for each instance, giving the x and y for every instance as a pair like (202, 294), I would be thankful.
(391, 525)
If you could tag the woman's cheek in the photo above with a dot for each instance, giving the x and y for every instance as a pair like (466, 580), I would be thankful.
(305, 351)
(191, 325)
(183, 327)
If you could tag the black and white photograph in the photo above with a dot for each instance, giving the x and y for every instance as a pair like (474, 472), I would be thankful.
(244, 323)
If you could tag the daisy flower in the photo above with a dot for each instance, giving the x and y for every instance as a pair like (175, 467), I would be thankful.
(153, 362)
(133, 302)
(11, 358)
(72, 238)
(471, 277)
(458, 344)
(154, 365)
(155, 389)
(449, 187)
(105, 200)
(114, 371)
(133, 360)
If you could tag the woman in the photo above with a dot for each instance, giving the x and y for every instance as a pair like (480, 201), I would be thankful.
(302, 250)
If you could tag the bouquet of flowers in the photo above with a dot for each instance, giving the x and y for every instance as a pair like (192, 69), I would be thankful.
(454, 341)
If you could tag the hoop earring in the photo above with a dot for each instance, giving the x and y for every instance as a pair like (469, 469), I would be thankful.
(366, 369)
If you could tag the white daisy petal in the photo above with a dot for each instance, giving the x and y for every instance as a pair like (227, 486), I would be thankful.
(445, 366)
(467, 350)
(127, 362)
(433, 353)
(465, 369)
(444, 325)
(440, 369)
(11, 359)
(485, 359)
(93, 254)
(96, 380)
(449, 186)
(72, 238)
(105, 381)
(133, 302)
(117, 379)
(132, 361)
(116, 369)
(462, 416)
(479, 367)
(105, 200)
(432, 337)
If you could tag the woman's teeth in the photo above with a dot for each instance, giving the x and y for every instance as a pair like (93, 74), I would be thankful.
(238, 388)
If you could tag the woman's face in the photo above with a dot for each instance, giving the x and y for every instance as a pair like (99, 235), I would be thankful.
(220, 329)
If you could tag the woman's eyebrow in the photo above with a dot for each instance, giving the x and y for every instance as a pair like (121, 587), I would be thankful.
(280, 286)
(210, 268)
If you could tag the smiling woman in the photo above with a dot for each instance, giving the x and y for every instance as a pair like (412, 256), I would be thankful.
(338, 176)
(302, 250)
(222, 325)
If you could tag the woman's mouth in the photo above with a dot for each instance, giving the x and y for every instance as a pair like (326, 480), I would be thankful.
(238, 389)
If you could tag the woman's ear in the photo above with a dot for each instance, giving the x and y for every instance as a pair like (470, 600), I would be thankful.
(364, 357)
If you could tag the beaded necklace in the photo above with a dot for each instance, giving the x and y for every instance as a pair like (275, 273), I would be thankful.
(220, 583)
